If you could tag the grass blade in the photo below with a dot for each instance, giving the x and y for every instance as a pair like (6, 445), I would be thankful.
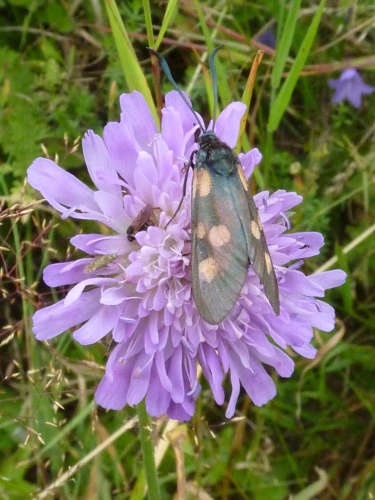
(169, 14)
(283, 46)
(283, 98)
(131, 68)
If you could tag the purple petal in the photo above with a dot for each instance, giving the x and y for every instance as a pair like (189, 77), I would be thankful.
(186, 117)
(113, 388)
(172, 130)
(367, 89)
(137, 117)
(299, 283)
(53, 320)
(329, 279)
(355, 98)
(324, 319)
(122, 149)
(158, 399)
(307, 351)
(60, 188)
(179, 412)
(175, 372)
(100, 323)
(111, 204)
(161, 372)
(97, 161)
(250, 160)
(257, 383)
(113, 296)
(65, 273)
(145, 176)
(210, 363)
(77, 290)
(140, 378)
(102, 245)
(228, 123)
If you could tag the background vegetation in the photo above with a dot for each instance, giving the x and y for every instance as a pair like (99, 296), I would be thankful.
(60, 75)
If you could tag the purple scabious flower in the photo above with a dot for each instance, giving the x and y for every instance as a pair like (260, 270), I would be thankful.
(140, 292)
(350, 86)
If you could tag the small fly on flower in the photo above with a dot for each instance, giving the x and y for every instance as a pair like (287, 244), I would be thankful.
(99, 262)
(227, 235)
(144, 219)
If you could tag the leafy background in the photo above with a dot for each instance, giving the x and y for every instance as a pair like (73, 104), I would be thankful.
(60, 74)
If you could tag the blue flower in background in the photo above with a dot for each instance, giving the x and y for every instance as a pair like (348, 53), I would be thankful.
(350, 86)
(267, 38)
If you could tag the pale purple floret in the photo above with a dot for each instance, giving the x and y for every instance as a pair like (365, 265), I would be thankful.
(142, 297)
(350, 86)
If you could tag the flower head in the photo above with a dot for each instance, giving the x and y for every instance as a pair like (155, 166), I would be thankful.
(350, 86)
(139, 292)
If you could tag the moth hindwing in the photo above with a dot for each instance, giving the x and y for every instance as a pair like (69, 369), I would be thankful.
(144, 219)
(227, 235)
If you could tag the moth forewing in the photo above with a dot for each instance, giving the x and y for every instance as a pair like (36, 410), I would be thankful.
(219, 247)
(260, 257)
(258, 252)
(227, 234)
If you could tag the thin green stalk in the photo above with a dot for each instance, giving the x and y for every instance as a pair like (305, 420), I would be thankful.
(268, 150)
(148, 452)
(285, 94)
(148, 22)
(133, 72)
(21, 273)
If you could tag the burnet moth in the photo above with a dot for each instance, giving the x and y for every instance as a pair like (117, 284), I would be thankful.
(226, 232)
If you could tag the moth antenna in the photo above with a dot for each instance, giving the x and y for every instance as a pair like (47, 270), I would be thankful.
(214, 82)
(168, 74)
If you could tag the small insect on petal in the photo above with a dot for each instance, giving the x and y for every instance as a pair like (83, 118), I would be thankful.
(99, 262)
(144, 219)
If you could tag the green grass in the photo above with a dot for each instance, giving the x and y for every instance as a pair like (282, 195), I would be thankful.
(60, 74)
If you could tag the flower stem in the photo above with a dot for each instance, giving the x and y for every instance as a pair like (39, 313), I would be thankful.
(148, 452)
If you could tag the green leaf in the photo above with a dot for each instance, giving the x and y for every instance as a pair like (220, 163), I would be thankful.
(222, 75)
(283, 46)
(148, 22)
(283, 98)
(131, 68)
(169, 14)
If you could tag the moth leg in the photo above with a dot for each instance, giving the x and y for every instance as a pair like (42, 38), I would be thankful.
(187, 167)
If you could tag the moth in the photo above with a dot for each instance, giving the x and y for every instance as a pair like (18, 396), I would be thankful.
(144, 219)
(226, 231)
